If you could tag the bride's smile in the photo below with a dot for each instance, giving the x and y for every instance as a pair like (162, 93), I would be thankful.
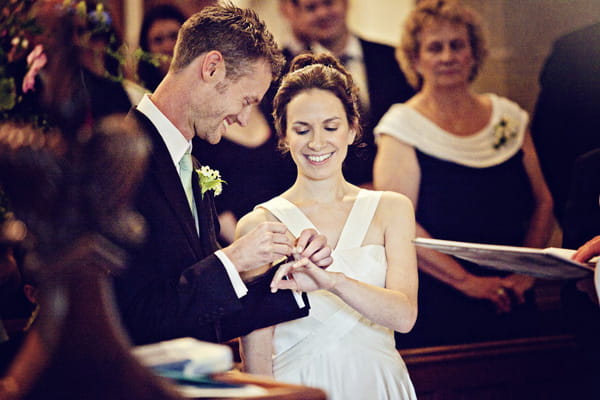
(319, 159)
(318, 133)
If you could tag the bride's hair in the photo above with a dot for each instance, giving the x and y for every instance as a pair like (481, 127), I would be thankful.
(320, 71)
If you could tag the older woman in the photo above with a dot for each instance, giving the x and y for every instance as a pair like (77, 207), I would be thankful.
(468, 163)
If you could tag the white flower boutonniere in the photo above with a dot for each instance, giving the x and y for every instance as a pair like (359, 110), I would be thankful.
(210, 179)
(505, 130)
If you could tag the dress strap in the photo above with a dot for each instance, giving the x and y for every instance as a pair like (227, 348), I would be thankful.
(289, 214)
(359, 220)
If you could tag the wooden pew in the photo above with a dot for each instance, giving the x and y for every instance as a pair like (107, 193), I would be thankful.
(532, 368)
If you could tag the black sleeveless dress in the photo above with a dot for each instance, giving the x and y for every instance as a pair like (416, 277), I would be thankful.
(484, 205)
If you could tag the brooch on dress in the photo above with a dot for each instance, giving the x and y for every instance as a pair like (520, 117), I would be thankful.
(504, 131)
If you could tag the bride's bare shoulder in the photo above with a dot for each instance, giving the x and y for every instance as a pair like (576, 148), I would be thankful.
(252, 219)
(393, 203)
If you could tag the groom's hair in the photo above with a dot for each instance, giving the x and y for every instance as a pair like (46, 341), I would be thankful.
(238, 34)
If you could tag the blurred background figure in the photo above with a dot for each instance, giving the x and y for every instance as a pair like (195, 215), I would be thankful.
(321, 26)
(301, 37)
(80, 80)
(468, 163)
(24, 287)
(565, 123)
(566, 131)
(581, 224)
(190, 7)
(98, 43)
(158, 35)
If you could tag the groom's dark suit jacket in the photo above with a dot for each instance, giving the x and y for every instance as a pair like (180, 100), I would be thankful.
(174, 285)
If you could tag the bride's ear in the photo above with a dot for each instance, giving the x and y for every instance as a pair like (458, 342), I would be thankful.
(352, 133)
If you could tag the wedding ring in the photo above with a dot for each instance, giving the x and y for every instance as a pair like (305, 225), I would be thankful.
(501, 292)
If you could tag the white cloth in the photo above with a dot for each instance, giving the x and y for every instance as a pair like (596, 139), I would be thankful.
(477, 150)
(335, 348)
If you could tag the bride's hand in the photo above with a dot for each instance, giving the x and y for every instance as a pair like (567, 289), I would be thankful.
(302, 275)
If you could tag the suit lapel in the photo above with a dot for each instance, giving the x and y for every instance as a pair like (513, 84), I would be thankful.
(166, 177)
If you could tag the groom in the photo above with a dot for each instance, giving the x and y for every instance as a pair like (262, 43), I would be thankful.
(178, 282)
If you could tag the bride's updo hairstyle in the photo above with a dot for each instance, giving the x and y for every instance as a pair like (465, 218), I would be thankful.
(320, 71)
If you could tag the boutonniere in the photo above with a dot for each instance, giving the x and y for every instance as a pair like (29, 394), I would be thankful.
(210, 179)
(505, 130)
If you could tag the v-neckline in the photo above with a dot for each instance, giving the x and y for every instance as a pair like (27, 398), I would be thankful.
(346, 222)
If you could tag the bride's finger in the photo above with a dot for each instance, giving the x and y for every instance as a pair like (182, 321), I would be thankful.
(287, 284)
(302, 263)
(281, 272)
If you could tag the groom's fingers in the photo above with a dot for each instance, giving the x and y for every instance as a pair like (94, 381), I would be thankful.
(306, 236)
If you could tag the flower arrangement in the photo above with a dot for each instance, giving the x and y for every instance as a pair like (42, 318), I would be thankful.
(210, 179)
(21, 59)
(17, 28)
(505, 130)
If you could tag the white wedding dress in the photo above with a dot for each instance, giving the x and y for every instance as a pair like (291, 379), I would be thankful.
(335, 348)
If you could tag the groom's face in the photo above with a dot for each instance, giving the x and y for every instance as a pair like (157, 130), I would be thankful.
(232, 102)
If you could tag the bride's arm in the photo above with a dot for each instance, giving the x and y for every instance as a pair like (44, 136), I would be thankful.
(394, 306)
(256, 352)
(256, 347)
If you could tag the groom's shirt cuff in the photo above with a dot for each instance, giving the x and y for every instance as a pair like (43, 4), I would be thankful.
(238, 284)
(234, 276)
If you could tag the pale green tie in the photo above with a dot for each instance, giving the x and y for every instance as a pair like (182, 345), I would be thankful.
(186, 169)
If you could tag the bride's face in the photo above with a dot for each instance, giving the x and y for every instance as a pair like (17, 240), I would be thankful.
(318, 133)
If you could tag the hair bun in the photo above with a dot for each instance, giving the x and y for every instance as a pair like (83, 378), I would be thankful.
(325, 59)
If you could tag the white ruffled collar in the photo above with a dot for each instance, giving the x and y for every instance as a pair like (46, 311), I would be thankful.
(499, 140)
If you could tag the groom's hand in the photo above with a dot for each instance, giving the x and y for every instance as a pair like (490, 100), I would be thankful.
(266, 243)
(312, 245)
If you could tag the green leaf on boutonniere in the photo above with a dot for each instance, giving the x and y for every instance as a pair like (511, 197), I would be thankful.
(210, 179)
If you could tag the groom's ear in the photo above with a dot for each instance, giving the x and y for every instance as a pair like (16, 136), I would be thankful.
(212, 68)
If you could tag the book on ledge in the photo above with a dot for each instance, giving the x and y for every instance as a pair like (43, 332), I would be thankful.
(548, 263)
(190, 365)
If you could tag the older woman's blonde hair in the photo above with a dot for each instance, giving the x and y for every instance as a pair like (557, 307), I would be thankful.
(437, 11)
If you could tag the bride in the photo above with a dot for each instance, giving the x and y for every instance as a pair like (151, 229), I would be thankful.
(346, 345)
